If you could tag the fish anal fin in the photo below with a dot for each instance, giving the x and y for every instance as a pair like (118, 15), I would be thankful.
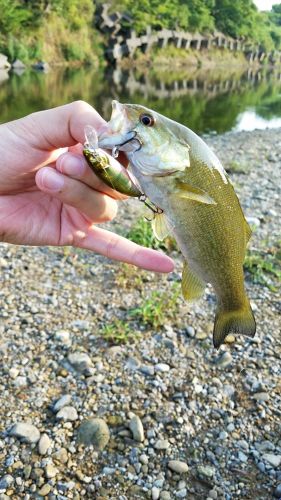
(192, 285)
(160, 226)
(237, 321)
(185, 190)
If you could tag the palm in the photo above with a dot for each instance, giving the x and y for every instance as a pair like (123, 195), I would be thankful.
(42, 203)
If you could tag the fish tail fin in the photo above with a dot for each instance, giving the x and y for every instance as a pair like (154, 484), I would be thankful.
(233, 321)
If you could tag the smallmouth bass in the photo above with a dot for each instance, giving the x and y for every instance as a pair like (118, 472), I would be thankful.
(182, 176)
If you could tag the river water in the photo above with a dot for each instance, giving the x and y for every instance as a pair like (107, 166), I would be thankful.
(203, 102)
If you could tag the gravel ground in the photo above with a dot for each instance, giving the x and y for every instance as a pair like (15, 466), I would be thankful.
(165, 415)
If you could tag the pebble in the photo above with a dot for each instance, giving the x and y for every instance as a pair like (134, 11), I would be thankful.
(224, 360)
(63, 336)
(6, 481)
(201, 335)
(136, 428)
(181, 493)
(147, 369)
(165, 495)
(67, 413)
(80, 361)
(144, 459)
(50, 471)
(155, 493)
(274, 460)
(206, 470)
(61, 402)
(261, 396)
(213, 494)
(25, 432)
(61, 455)
(190, 331)
(277, 491)
(93, 431)
(242, 457)
(44, 444)
(162, 444)
(13, 372)
(45, 490)
(253, 221)
(178, 466)
(162, 367)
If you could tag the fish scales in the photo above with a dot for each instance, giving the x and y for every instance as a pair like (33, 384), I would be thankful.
(182, 176)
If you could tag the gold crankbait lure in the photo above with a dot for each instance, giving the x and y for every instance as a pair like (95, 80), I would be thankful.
(115, 176)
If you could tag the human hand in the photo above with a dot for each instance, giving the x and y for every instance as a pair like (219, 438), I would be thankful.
(50, 196)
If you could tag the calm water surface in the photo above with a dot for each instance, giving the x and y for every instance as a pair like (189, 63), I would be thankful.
(202, 102)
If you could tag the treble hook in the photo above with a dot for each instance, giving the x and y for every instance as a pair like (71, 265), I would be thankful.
(156, 210)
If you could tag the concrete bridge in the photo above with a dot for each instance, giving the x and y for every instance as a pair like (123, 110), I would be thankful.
(123, 42)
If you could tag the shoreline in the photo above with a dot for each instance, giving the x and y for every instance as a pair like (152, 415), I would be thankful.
(213, 412)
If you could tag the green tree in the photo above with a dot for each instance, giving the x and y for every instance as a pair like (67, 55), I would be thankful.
(200, 18)
(235, 18)
(275, 14)
(13, 16)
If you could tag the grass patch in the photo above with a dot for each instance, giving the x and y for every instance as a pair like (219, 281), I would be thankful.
(265, 266)
(119, 332)
(142, 234)
(158, 307)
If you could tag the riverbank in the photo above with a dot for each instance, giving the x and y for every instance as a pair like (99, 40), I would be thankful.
(158, 59)
(216, 413)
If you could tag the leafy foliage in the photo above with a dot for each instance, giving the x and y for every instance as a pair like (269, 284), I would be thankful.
(238, 18)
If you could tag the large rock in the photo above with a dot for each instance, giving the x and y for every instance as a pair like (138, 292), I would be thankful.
(18, 64)
(93, 431)
(4, 63)
(41, 66)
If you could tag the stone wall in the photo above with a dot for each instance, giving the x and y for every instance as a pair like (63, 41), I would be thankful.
(123, 42)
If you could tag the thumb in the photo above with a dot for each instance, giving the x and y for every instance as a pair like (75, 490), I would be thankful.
(62, 126)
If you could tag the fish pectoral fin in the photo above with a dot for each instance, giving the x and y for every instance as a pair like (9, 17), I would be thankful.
(160, 226)
(192, 285)
(184, 190)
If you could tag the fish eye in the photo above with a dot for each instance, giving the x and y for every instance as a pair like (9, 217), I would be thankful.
(147, 120)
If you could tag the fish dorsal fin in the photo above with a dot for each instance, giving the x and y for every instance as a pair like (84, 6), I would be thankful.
(248, 231)
(185, 190)
(192, 286)
(160, 226)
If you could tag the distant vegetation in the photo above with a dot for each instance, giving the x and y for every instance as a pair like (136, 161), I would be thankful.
(239, 18)
(54, 30)
(59, 30)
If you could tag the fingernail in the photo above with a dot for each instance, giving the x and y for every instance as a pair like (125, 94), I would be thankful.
(52, 181)
(71, 165)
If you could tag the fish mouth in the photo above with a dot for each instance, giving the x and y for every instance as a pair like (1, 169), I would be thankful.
(118, 134)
